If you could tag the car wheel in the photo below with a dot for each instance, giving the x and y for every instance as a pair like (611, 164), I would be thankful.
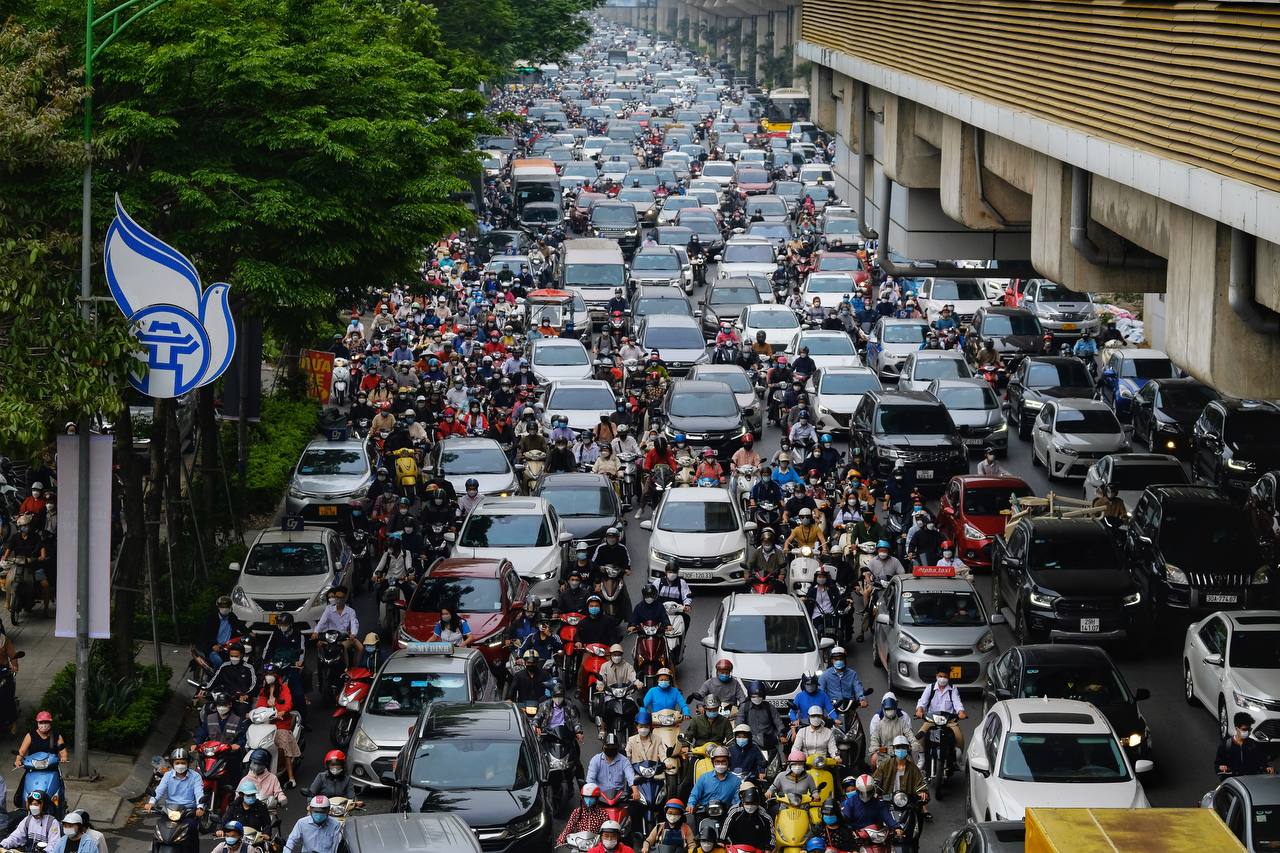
(1188, 690)
(1035, 458)
(1022, 627)
(1024, 427)
(996, 602)
(1224, 725)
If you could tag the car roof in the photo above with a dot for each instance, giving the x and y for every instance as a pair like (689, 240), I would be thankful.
(466, 567)
(755, 604)
(409, 833)
(1232, 404)
(307, 534)
(1139, 352)
(573, 478)
(1187, 494)
(464, 442)
(542, 343)
(824, 333)
(749, 238)
(911, 582)
(938, 355)
(1044, 525)
(1142, 458)
(1058, 360)
(845, 370)
(1263, 790)
(704, 369)
(977, 481)
(496, 720)
(1080, 404)
(511, 505)
(670, 320)
(1058, 654)
(699, 496)
(698, 386)
(349, 444)
(1247, 619)
(1053, 715)
(960, 383)
(657, 250)
(405, 660)
(579, 383)
(1005, 309)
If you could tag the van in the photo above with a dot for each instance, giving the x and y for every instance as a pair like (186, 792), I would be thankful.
(593, 268)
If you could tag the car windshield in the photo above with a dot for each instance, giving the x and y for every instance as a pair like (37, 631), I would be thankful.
(1255, 650)
(454, 764)
(581, 398)
(718, 170)
(772, 230)
(673, 337)
(406, 694)
(473, 460)
(1010, 325)
(735, 379)
(938, 607)
(767, 635)
(849, 383)
(506, 531)
(1085, 553)
(1253, 427)
(1202, 535)
(560, 356)
(691, 517)
(964, 289)
(968, 399)
(842, 225)
(580, 502)
(1064, 374)
(707, 404)
(675, 236)
(331, 462)
(678, 202)
(775, 207)
(613, 216)
(580, 170)
(773, 320)
(286, 559)
(991, 501)
(704, 227)
(840, 344)
(748, 253)
(735, 296)
(1188, 399)
(904, 333)
(540, 213)
(1051, 291)
(939, 368)
(658, 261)
(595, 275)
(1135, 478)
(753, 176)
(787, 189)
(654, 305)
(1062, 757)
(460, 595)
(1088, 683)
(636, 194)
(1147, 368)
(922, 420)
(817, 283)
(1086, 421)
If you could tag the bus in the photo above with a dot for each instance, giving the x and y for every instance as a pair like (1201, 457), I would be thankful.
(782, 106)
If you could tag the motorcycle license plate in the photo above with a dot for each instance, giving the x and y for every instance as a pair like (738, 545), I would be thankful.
(1090, 625)
(956, 673)
(697, 576)
(1069, 327)
(1221, 599)
(327, 511)
(924, 474)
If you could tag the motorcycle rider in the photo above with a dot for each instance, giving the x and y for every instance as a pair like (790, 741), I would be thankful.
(718, 783)
(664, 697)
(337, 616)
(923, 540)
(561, 459)
(794, 780)
(862, 805)
(266, 782)
(840, 681)
(886, 725)
(806, 534)
(543, 642)
(987, 355)
(900, 773)
(659, 454)
(709, 468)
(471, 498)
(574, 592)
(650, 609)
(219, 629)
(235, 677)
(745, 757)
(553, 713)
(598, 627)
(810, 695)
(816, 738)
(784, 473)
(826, 601)
(334, 780)
(36, 826)
(222, 724)
(940, 696)
(1239, 754)
(950, 560)
(182, 788)
(74, 839)
(730, 690)
(587, 817)
(528, 685)
(316, 832)
(882, 567)
(643, 746)
(989, 467)
(673, 833)
(833, 833)
(611, 552)
(769, 559)
(748, 824)
(617, 670)
(710, 726)
(766, 726)
(610, 771)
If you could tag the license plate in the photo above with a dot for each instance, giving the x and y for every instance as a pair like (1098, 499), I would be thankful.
(327, 511)
(1221, 599)
(696, 576)
(1090, 625)
(271, 618)
(974, 440)
(924, 474)
(955, 673)
(1069, 327)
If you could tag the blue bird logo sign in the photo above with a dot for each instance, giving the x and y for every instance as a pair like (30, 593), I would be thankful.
(187, 333)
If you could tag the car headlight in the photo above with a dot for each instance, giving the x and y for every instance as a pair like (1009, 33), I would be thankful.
(320, 599)
(631, 232)
(545, 575)
(1237, 466)
(295, 492)
(1261, 575)
(1043, 601)
(908, 643)
(987, 643)
(1134, 740)
(887, 452)
(1249, 703)
(1173, 574)
(1003, 427)
(735, 557)
(363, 743)
(1131, 599)
(971, 532)
(659, 557)
(240, 597)
(1032, 405)
(530, 824)
(1065, 451)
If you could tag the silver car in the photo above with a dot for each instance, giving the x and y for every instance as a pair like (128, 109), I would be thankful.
(931, 618)
(1131, 473)
(976, 411)
(559, 358)
(329, 475)
(1060, 311)
(1070, 434)
(923, 366)
(891, 341)
(411, 679)
(743, 391)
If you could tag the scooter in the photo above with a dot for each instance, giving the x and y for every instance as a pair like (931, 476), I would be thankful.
(745, 479)
(561, 750)
(615, 599)
(392, 601)
(804, 565)
(341, 382)
(615, 709)
(651, 782)
(851, 737)
(939, 752)
(906, 811)
(616, 808)
(40, 773)
(792, 823)
(666, 728)
(173, 828)
(531, 467)
(650, 653)
(8, 697)
(218, 766)
(687, 476)
(822, 770)
(361, 561)
(579, 842)
(407, 477)
(593, 656)
(676, 632)
(331, 663)
(357, 682)
(567, 630)
(767, 517)
(262, 734)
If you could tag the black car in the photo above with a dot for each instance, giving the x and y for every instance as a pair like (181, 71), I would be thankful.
(503, 243)
(708, 414)
(616, 220)
(1040, 379)
(1165, 410)
(423, 833)
(1015, 332)
(1233, 442)
(586, 503)
(1065, 671)
(481, 762)
(724, 300)
(1190, 548)
(1064, 579)
(911, 429)
(990, 836)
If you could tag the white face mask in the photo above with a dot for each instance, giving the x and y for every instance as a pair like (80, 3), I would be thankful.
(673, 819)
(179, 769)
(797, 769)
(643, 731)
(617, 659)
(948, 554)
(335, 771)
(749, 809)
(609, 843)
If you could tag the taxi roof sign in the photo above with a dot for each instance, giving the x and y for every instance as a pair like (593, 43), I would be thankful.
(933, 572)
(428, 648)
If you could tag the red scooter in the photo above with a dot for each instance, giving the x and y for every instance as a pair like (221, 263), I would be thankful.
(993, 375)
(616, 808)
(651, 652)
(592, 658)
(219, 768)
(874, 839)
(568, 633)
(764, 584)
(355, 688)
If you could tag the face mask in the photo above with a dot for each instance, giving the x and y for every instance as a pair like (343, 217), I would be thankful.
(643, 731)
(711, 715)
(250, 799)
(721, 769)
(707, 846)
(943, 682)
(335, 771)
(611, 751)
(332, 601)
(890, 713)
(900, 753)
(741, 741)
(723, 676)
(573, 584)
(35, 811)
(222, 611)
(757, 700)
(319, 817)
(819, 581)
(664, 684)
(839, 664)
(588, 802)
(672, 578)
(829, 819)
(445, 618)
(617, 659)
(884, 555)
(593, 611)
(223, 710)
(557, 700)
(673, 819)
(256, 768)
(179, 769)
(797, 769)
(1243, 733)
(71, 831)
(815, 722)
(270, 679)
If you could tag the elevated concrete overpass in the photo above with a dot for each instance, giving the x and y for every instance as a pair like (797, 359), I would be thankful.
(1117, 146)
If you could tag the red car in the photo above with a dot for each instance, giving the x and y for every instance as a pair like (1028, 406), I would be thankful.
(1014, 292)
(845, 262)
(580, 210)
(480, 591)
(974, 511)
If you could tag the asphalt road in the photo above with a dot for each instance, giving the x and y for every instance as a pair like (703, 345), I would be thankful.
(1183, 738)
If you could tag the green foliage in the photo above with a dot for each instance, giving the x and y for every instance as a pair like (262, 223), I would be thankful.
(546, 30)
(122, 711)
(275, 444)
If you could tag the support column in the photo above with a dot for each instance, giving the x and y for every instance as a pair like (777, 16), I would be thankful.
(822, 104)
(796, 13)
(970, 194)
(683, 22)
(908, 159)
(746, 45)
(762, 23)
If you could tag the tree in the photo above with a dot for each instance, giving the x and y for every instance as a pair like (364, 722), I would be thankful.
(483, 29)
(546, 30)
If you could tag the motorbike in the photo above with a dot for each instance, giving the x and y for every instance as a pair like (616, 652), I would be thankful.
(792, 823)
(531, 468)
(851, 737)
(699, 264)
(219, 765)
(823, 771)
(8, 696)
(676, 632)
(407, 476)
(628, 483)
(19, 582)
(650, 652)
(340, 808)
(355, 689)
(906, 811)
(40, 773)
(939, 752)
(579, 842)
(686, 476)
(331, 663)
(593, 656)
(800, 571)
(615, 708)
(745, 479)
(666, 728)
(262, 734)
(651, 782)
(661, 479)
(615, 329)
(173, 828)
(615, 599)
(616, 808)
(764, 584)
(560, 747)
(767, 516)
(994, 375)
(567, 630)
(361, 560)
(873, 839)
(338, 394)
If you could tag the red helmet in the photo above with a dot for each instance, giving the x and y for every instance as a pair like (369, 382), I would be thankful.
(724, 665)
(782, 359)
(335, 755)
(709, 452)
(748, 437)
(948, 545)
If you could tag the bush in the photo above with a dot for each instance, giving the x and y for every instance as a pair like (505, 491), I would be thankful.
(275, 443)
(122, 711)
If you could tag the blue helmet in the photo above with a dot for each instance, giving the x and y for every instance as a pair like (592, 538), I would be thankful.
(883, 543)
(816, 844)
(826, 438)
(644, 718)
(233, 826)
(680, 436)
(889, 701)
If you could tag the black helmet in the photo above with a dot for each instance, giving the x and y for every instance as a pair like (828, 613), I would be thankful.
(181, 754)
(649, 589)
(829, 806)
(758, 689)
(610, 740)
(260, 756)
(751, 796)
(707, 831)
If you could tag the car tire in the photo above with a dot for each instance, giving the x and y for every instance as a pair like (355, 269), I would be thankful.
(1022, 628)
(996, 603)
(1024, 427)
(1224, 724)
(1035, 458)
(1188, 691)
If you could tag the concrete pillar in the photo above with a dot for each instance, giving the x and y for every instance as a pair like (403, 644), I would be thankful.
(970, 194)
(747, 45)
(683, 22)
(781, 29)
(797, 22)
(908, 159)
(822, 104)
(762, 47)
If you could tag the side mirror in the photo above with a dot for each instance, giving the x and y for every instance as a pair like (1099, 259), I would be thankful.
(749, 526)
(389, 779)
(449, 537)
(883, 619)
(1143, 765)
(565, 536)
(1214, 660)
(998, 619)
(1145, 540)
(826, 643)
(233, 567)
(716, 258)
(647, 524)
(709, 643)
(978, 763)
(1141, 694)
(1042, 427)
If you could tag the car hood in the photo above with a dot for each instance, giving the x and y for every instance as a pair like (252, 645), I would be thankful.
(1016, 343)
(1263, 683)
(742, 268)
(527, 561)
(706, 423)
(1011, 799)
(775, 667)
(1263, 456)
(420, 623)
(899, 350)
(1124, 718)
(1065, 307)
(948, 635)
(670, 354)
(926, 441)
(837, 360)
(656, 275)
(1093, 583)
(1102, 442)
(550, 373)
(260, 586)
(477, 808)
(988, 524)
(335, 485)
(976, 417)
(1062, 392)
(588, 526)
(697, 544)
(386, 731)
(490, 484)
(842, 403)
(774, 337)
(584, 419)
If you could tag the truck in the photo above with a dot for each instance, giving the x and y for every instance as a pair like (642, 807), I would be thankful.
(594, 268)
(1127, 831)
(533, 179)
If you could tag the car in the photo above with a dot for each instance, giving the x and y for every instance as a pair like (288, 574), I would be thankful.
(820, 196)
(994, 836)
(841, 233)
(672, 205)
(1014, 332)
(1248, 806)
(771, 207)
(707, 413)
(481, 761)
(909, 429)
(411, 678)
(577, 174)
(767, 638)
(724, 301)
(1041, 379)
(778, 322)
(702, 530)
(835, 392)
(480, 591)
(673, 235)
(890, 342)
(745, 255)
(778, 233)
(538, 216)
(931, 617)
(656, 265)
(1062, 312)
(652, 299)
(587, 504)
(844, 262)
(1055, 753)
(583, 403)
(789, 192)
(644, 202)
(1229, 665)
(1164, 412)
(974, 511)
(826, 348)
(328, 476)
(1070, 434)
(288, 571)
(425, 833)
(580, 210)
(615, 220)
(705, 222)
(559, 358)
(816, 173)
(1130, 474)
(753, 180)
(1125, 370)
(1065, 579)
(976, 411)
(459, 459)
(923, 366)
(677, 340)
(525, 530)
(1192, 549)
(720, 171)
(829, 288)
(1062, 671)
(743, 391)
(1263, 509)
(1233, 442)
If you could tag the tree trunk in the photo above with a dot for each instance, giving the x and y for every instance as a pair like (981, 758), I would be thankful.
(128, 570)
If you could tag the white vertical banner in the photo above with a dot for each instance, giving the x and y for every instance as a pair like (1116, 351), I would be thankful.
(99, 526)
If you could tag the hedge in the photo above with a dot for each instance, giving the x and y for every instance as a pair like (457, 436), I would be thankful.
(275, 445)
(122, 712)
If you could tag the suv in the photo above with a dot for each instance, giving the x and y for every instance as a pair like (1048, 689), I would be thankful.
(1233, 442)
(482, 762)
(1040, 379)
(1217, 562)
(656, 265)
(288, 571)
(1015, 332)
(911, 429)
(616, 220)
(707, 412)
(678, 340)
(1064, 579)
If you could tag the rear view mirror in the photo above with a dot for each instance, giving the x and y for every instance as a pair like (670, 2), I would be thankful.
(1143, 765)
(998, 619)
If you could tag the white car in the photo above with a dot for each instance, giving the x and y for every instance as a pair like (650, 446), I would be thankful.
(778, 322)
(551, 359)
(745, 255)
(720, 171)
(923, 366)
(703, 531)
(826, 348)
(836, 392)
(288, 571)
(1049, 753)
(812, 173)
(583, 403)
(673, 204)
(767, 638)
(525, 530)
(964, 295)
(1070, 434)
(891, 341)
(459, 459)
(1131, 473)
(1229, 665)
(829, 287)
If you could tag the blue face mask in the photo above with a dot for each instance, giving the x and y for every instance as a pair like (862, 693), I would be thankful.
(588, 802)
(741, 741)
(900, 753)
(664, 684)
(319, 817)
(829, 819)
(839, 664)
(711, 715)
(724, 676)
(250, 799)
(593, 611)
(849, 795)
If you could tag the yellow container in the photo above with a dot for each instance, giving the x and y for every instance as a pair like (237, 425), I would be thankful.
(1128, 831)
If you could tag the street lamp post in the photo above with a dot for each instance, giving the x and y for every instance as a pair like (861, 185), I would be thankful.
(117, 19)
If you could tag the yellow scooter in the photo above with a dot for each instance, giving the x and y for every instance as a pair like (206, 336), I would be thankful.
(792, 825)
(824, 778)
(408, 477)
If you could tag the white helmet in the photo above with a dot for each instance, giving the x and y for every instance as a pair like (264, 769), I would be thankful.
(866, 787)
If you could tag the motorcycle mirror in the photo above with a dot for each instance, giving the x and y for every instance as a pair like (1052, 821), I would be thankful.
(998, 619)
(20, 655)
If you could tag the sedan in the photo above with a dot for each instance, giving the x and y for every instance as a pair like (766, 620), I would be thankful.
(827, 348)
(976, 411)
(1130, 474)
(703, 531)
(328, 477)
(672, 205)
(643, 200)
(1230, 664)
(582, 403)
(829, 288)
(1070, 434)
(849, 264)
(724, 302)
(922, 367)
(525, 530)
(836, 393)
(740, 384)
(587, 504)
(559, 358)
(1165, 410)
(891, 341)
(1249, 805)
(459, 459)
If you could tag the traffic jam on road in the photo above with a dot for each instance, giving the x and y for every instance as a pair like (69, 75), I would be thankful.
(655, 516)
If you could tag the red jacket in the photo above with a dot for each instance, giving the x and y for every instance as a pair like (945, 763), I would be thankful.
(284, 704)
(621, 848)
(654, 458)
(448, 428)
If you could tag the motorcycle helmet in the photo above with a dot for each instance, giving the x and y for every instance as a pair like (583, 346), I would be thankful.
(181, 754)
(829, 807)
(708, 453)
(758, 689)
(472, 483)
(750, 796)
(644, 718)
(711, 702)
(809, 680)
(555, 687)
(530, 655)
(724, 665)
(335, 756)
(815, 845)
(707, 831)
(826, 438)
(258, 756)
(233, 826)
(866, 787)
(680, 439)
(590, 789)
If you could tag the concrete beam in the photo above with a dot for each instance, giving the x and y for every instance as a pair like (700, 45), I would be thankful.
(970, 193)
(909, 160)
(822, 104)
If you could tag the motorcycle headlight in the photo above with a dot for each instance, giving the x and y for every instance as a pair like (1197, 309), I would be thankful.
(1043, 601)
(987, 643)
(363, 742)
(1131, 599)
(908, 643)
(1261, 575)
(1126, 394)
(240, 597)
(1173, 574)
